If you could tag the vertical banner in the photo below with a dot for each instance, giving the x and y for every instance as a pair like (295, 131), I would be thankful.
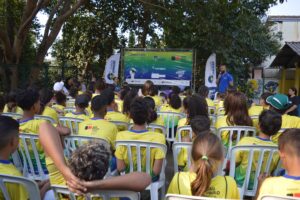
(112, 68)
(211, 75)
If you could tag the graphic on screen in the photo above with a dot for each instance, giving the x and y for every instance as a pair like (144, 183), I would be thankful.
(163, 68)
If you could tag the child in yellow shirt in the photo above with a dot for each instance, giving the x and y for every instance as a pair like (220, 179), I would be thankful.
(288, 184)
(149, 89)
(207, 156)
(11, 104)
(204, 91)
(60, 100)
(81, 103)
(46, 97)
(153, 117)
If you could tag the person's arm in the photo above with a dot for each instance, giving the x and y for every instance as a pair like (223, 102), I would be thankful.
(157, 166)
(62, 130)
(51, 143)
(261, 179)
(135, 181)
(120, 165)
(294, 107)
(218, 78)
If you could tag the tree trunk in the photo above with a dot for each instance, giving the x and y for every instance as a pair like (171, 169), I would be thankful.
(14, 76)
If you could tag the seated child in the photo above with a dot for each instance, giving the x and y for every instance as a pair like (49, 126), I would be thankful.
(9, 134)
(255, 110)
(112, 109)
(81, 103)
(11, 104)
(46, 97)
(139, 114)
(99, 86)
(97, 126)
(153, 118)
(174, 104)
(289, 184)
(204, 91)
(149, 89)
(269, 124)
(60, 99)
(207, 156)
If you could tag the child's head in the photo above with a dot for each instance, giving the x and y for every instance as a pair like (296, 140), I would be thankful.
(29, 100)
(176, 90)
(207, 155)
(174, 101)
(132, 94)
(269, 122)
(46, 96)
(11, 101)
(9, 134)
(292, 91)
(148, 88)
(196, 105)
(263, 99)
(139, 111)
(123, 92)
(151, 106)
(221, 96)
(110, 95)
(203, 91)
(82, 101)
(200, 125)
(60, 98)
(163, 96)
(73, 92)
(2, 103)
(99, 105)
(289, 146)
(279, 103)
(100, 85)
(236, 109)
(90, 161)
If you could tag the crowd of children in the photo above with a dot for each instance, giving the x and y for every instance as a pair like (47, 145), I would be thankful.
(100, 105)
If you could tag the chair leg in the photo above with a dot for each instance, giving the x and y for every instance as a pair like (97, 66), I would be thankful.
(154, 192)
(163, 192)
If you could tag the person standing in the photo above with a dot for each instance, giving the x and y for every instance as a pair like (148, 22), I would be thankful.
(224, 79)
(293, 98)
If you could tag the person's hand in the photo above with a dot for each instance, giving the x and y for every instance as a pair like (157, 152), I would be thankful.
(74, 184)
(261, 178)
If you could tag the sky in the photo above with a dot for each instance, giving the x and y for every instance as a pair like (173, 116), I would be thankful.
(289, 7)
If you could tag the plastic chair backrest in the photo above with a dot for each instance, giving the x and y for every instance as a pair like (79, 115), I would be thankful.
(212, 110)
(121, 125)
(69, 110)
(103, 194)
(70, 103)
(49, 119)
(188, 130)
(139, 146)
(235, 134)
(29, 152)
(12, 115)
(72, 142)
(17, 161)
(264, 154)
(177, 148)
(72, 123)
(153, 128)
(30, 186)
(221, 111)
(184, 197)
(213, 120)
(171, 122)
(273, 197)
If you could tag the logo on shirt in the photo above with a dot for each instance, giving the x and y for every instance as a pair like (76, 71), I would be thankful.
(293, 195)
(91, 128)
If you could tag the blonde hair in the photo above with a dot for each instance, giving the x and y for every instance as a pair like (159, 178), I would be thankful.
(207, 155)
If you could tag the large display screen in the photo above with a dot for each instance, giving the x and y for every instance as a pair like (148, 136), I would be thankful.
(161, 67)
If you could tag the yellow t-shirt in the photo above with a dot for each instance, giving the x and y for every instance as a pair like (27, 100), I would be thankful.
(288, 121)
(18, 110)
(219, 104)
(281, 186)
(182, 122)
(241, 157)
(95, 94)
(59, 109)
(145, 135)
(32, 126)
(168, 108)
(120, 105)
(117, 116)
(15, 191)
(220, 123)
(55, 176)
(50, 112)
(99, 128)
(255, 110)
(210, 102)
(217, 189)
(157, 100)
(77, 115)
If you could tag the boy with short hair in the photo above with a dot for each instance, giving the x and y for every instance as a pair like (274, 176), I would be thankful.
(99, 87)
(139, 132)
(60, 105)
(112, 114)
(9, 134)
(289, 152)
(98, 126)
(269, 125)
(81, 103)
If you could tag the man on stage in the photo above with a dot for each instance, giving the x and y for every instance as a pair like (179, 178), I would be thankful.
(224, 79)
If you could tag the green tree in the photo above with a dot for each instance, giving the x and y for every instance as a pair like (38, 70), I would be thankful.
(131, 41)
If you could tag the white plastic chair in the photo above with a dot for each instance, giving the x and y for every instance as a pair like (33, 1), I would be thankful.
(177, 148)
(46, 118)
(15, 116)
(140, 146)
(30, 186)
(273, 197)
(72, 142)
(212, 110)
(121, 125)
(72, 123)
(264, 154)
(153, 128)
(70, 103)
(28, 150)
(171, 122)
(188, 129)
(103, 194)
(235, 131)
(185, 197)
(69, 110)
(17, 161)
(213, 120)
